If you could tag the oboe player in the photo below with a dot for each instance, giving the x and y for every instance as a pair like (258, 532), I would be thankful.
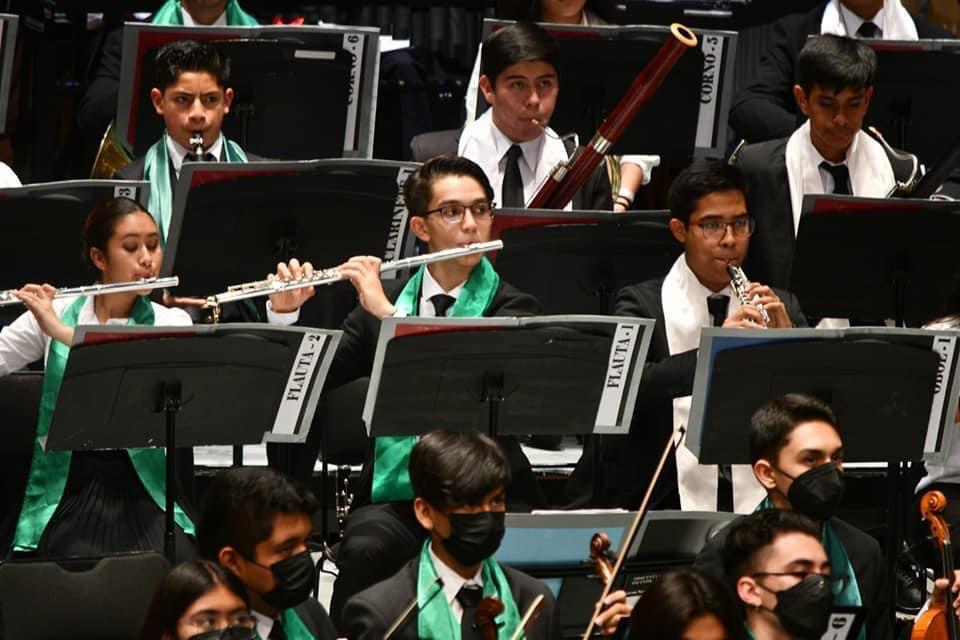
(709, 218)
(449, 201)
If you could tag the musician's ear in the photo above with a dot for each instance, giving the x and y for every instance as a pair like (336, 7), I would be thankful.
(748, 592)
(487, 89)
(156, 97)
(98, 259)
(801, 97)
(227, 100)
(764, 472)
(678, 229)
(867, 97)
(231, 559)
(424, 513)
(418, 224)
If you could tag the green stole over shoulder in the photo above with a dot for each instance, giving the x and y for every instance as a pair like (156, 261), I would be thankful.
(49, 469)
(840, 564)
(156, 170)
(434, 618)
(169, 13)
(391, 476)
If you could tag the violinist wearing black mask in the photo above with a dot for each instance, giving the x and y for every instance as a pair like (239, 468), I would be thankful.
(797, 455)
(460, 482)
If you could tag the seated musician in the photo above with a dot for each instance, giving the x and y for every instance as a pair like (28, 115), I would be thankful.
(514, 55)
(710, 218)
(460, 481)
(797, 457)
(511, 140)
(449, 203)
(686, 605)
(256, 523)
(828, 154)
(98, 502)
(98, 106)
(192, 94)
(765, 109)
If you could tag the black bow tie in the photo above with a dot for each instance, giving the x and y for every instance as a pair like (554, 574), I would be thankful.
(206, 157)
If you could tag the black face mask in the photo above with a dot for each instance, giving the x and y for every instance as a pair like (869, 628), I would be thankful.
(293, 579)
(230, 633)
(804, 609)
(474, 537)
(817, 493)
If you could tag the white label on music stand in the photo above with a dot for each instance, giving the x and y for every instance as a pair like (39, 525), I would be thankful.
(945, 347)
(353, 43)
(396, 238)
(712, 48)
(618, 374)
(841, 623)
(297, 389)
(123, 191)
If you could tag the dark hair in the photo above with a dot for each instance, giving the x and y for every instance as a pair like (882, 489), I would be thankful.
(182, 587)
(520, 42)
(698, 180)
(532, 10)
(189, 55)
(100, 223)
(772, 424)
(418, 189)
(835, 63)
(453, 468)
(751, 534)
(239, 507)
(668, 606)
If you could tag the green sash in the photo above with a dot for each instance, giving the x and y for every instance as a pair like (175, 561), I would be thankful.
(435, 620)
(391, 476)
(169, 13)
(49, 469)
(840, 562)
(156, 170)
(293, 626)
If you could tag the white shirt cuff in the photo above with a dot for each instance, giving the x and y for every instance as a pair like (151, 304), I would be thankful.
(282, 319)
(645, 162)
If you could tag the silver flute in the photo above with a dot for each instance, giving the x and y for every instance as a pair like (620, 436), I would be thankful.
(259, 288)
(7, 298)
(738, 280)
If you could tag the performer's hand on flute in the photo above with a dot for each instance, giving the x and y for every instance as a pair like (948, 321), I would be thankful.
(289, 301)
(364, 274)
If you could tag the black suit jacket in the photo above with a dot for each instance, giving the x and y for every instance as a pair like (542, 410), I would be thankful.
(369, 614)
(354, 360)
(867, 561)
(316, 619)
(765, 109)
(134, 170)
(618, 468)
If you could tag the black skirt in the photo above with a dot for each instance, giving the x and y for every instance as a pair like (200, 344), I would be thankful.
(105, 509)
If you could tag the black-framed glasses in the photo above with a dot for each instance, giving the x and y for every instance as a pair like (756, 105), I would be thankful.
(205, 622)
(453, 212)
(838, 582)
(716, 229)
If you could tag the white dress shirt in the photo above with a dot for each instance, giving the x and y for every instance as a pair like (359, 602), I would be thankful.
(429, 288)
(7, 177)
(188, 21)
(452, 583)
(178, 152)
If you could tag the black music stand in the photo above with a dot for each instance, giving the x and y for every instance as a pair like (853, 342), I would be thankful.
(694, 99)
(576, 262)
(322, 211)
(881, 382)
(301, 93)
(552, 375)
(897, 257)
(62, 206)
(189, 386)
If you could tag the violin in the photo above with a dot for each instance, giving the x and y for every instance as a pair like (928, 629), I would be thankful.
(939, 622)
(488, 609)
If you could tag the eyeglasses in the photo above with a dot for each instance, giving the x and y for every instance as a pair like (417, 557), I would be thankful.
(453, 213)
(716, 229)
(204, 622)
(837, 581)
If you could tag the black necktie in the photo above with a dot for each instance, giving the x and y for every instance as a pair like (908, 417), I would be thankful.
(717, 305)
(206, 157)
(841, 177)
(469, 596)
(277, 632)
(512, 182)
(868, 30)
(442, 303)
